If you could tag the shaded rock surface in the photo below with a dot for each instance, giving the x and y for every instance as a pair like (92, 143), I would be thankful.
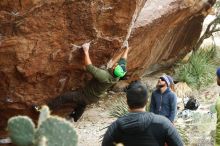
(38, 62)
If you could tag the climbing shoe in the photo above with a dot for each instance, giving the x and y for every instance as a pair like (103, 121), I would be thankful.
(77, 113)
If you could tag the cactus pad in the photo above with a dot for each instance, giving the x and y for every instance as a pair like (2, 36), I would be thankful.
(21, 130)
(58, 132)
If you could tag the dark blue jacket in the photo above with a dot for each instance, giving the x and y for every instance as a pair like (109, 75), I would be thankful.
(164, 103)
(142, 129)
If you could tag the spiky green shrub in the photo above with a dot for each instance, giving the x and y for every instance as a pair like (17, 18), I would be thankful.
(51, 131)
(119, 108)
(199, 71)
(183, 134)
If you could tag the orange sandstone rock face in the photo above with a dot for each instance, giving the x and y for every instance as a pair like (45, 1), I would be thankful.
(38, 60)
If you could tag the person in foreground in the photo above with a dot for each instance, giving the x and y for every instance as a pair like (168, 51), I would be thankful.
(138, 127)
(217, 138)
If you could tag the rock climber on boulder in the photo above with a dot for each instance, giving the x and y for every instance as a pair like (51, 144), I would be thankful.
(102, 80)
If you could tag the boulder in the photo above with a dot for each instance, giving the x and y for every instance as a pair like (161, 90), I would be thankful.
(38, 60)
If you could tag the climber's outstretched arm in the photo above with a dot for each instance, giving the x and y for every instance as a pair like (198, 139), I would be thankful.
(86, 52)
(125, 54)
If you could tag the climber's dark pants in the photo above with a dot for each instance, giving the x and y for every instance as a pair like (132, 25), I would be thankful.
(75, 97)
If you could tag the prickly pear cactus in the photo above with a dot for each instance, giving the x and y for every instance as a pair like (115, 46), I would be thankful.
(21, 130)
(42, 141)
(51, 131)
(44, 114)
(58, 132)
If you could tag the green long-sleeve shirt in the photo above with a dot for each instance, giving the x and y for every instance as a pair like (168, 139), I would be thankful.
(217, 138)
(102, 80)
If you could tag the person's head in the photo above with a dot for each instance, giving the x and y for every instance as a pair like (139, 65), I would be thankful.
(119, 70)
(218, 76)
(163, 81)
(136, 95)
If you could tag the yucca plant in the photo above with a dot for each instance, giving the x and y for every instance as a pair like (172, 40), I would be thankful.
(119, 108)
(183, 134)
(199, 71)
